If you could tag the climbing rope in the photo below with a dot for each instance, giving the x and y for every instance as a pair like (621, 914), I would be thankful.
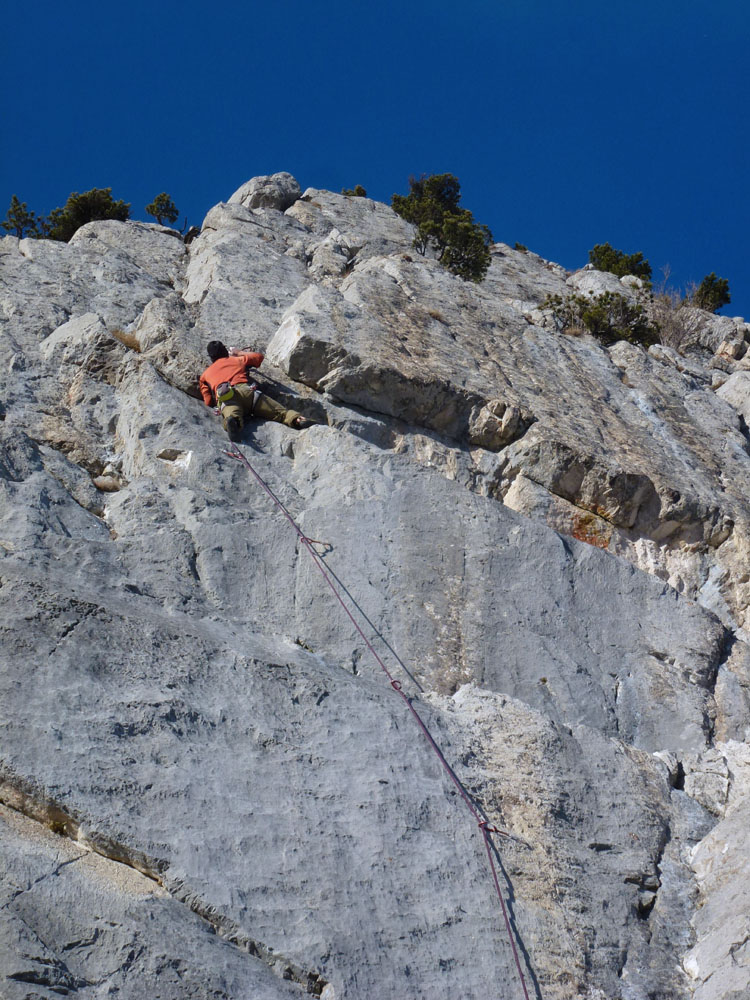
(482, 823)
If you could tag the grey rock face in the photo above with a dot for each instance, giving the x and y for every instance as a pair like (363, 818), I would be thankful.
(209, 786)
(279, 191)
(736, 391)
(718, 962)
(75, 923)
(239, 277)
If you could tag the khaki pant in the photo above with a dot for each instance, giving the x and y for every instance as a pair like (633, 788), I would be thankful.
(241, 404)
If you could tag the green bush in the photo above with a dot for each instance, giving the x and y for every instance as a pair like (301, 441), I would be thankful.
(357, 192)
(91, 206)
(162, 208)
(606, 258)
(20, 221)
(712, 293)
(432, 206)
(609, 317)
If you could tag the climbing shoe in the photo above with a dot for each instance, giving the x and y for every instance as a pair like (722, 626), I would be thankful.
(301, 422)
(234, 429)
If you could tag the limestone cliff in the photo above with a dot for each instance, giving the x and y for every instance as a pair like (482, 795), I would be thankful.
(209, 789)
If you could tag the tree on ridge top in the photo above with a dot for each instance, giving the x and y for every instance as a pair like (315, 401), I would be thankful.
(162, 207)
(95, 205)
(432, 205)
(605, 258)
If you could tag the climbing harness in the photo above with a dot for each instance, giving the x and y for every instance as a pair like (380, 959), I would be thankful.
(225, 393)
(482, 823)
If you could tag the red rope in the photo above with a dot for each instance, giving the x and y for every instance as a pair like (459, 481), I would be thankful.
(397, 687)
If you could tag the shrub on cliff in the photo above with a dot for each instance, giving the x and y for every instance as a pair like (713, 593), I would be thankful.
(19, 221)
(609, 317)
(356, 192)
(712, 293)
(91, 206)
(163, 209)
(605, 258)
(432, 206)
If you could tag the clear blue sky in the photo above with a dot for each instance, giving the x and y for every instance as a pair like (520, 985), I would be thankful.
(568, 122)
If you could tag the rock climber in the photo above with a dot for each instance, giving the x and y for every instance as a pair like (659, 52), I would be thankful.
(225, 384)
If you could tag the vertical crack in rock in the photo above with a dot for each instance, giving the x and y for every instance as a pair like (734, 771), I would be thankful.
(709, 680)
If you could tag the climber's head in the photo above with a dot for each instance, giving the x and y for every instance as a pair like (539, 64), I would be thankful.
(216, 350)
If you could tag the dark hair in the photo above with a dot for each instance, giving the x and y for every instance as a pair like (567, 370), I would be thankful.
(216, 350)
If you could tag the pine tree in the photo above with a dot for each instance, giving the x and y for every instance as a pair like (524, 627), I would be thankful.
(432, 205)
(20, 221)
(163, 208)
(605, 258)
(91, 206)
(712, 293)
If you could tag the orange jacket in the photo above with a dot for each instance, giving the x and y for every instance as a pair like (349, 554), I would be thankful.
(230, 370)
